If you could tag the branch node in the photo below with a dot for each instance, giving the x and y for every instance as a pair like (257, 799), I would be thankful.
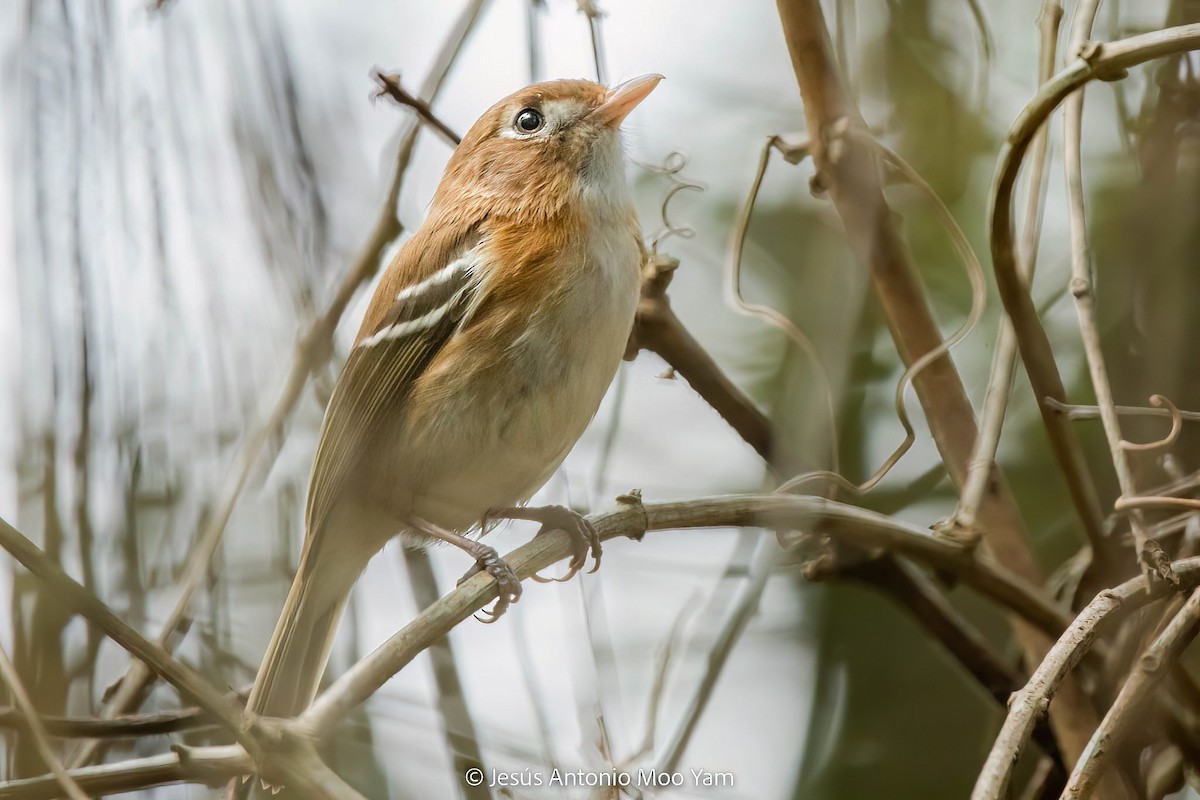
(1080, 287)
(633, 499)
(954, 531)
(1092, 52)
(1155, 560)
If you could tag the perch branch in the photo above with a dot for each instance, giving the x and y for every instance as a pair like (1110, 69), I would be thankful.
(861, 528)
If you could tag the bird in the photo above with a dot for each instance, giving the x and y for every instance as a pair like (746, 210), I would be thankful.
(485, 351)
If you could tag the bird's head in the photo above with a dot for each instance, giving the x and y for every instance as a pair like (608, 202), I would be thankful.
(541, 148)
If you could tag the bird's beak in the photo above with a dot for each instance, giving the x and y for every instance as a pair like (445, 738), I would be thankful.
(623, 99)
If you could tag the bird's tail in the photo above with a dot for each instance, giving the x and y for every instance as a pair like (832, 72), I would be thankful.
(295, 659)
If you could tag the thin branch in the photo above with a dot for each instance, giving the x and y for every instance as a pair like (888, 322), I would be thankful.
(1004, 360)
(1081, 281)
(207, 765)
(158, 724)
(313, 350)
(847, 169)
(1074, 412)
(389, 84)
(1151, 668)
(8, 673)
(593, 13)
(461, 737)
(1034, 699)
(657, 329)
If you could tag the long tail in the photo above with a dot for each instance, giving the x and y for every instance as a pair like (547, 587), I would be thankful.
(295, 659)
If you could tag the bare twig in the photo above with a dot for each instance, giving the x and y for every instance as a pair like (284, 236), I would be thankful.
(1081, 281)
(1073, 411)
(1151, 668)
(1004, 360)
(313, 350)
(1143, 501)
(389, 85)
(8, 673)
(593, 13)
(461, 737)
(129, 727)
(657, 329)
(208, 765)
(1033, 700)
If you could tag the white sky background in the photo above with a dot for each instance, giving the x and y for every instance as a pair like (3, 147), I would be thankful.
(173, 85)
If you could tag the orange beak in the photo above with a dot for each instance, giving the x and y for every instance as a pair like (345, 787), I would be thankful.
(623, 99)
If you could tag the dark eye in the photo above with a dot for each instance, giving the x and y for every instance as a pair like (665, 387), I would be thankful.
(529, 120)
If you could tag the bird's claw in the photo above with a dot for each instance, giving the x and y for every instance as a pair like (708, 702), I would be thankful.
(584, 539)
(508, 585)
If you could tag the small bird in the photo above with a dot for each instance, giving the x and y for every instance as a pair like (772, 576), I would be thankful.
(484, 353)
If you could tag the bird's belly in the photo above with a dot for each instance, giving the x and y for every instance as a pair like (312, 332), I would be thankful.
(500, 445)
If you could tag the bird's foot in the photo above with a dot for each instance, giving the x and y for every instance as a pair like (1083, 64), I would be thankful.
(508, 585)
(584, 538)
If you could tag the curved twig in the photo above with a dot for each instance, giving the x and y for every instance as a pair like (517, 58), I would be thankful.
(978, 302)
(1142, 501)
(1158, 401)
(737, 246)
(672, 165)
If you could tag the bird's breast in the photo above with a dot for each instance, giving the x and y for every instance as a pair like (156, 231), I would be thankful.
(534, 384)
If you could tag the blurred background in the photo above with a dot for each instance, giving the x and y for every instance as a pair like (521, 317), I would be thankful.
(182, 188)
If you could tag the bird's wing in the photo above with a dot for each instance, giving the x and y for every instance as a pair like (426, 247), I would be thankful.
(407, 325)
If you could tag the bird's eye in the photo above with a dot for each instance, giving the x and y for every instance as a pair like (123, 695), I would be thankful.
(529, 120)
